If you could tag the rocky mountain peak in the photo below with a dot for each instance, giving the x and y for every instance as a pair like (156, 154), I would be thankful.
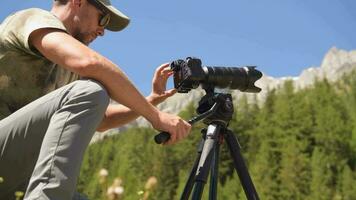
(335, 58)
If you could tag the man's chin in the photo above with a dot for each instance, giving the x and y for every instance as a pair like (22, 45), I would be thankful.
(86, 43)
(83, 41)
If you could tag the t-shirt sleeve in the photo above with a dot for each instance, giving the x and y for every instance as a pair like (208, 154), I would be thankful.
(20, 26)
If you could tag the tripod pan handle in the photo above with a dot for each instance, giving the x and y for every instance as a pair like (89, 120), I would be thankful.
(162, 137)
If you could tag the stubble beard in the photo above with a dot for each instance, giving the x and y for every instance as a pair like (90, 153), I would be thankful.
(80, 37)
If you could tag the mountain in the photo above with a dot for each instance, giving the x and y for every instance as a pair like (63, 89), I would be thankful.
(335, 64)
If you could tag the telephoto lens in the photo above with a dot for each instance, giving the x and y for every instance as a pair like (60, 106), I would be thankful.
(240, 78)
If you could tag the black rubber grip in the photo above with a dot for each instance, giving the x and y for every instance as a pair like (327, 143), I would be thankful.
(162, 137)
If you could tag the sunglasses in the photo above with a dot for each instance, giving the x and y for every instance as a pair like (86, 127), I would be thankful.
(105, 18)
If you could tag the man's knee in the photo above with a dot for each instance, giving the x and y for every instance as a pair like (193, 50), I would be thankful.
(100, 95)
(94, 92)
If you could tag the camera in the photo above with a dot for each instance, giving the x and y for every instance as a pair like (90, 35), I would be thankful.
(189, 74)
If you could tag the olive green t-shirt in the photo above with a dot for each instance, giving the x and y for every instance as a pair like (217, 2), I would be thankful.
(25, 74)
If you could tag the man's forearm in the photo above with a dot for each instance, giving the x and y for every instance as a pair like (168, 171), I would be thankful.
(117, 115)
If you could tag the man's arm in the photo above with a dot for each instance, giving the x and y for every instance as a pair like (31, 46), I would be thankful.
(118, 115)
(63, 49)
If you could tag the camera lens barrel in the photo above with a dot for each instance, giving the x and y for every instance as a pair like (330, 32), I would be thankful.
(240, 78)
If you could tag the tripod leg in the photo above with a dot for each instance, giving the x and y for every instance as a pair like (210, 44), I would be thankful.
(240, 166)
(190, 183)
(214, 173)
(205, 160)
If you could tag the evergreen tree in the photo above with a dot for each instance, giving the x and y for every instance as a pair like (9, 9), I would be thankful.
(332, 131)
(265, 167)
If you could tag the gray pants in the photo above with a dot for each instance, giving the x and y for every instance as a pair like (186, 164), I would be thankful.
(43, 143)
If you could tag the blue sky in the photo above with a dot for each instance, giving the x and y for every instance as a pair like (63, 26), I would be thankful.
(281, 37)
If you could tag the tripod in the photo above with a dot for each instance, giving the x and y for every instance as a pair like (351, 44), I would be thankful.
(216, 109)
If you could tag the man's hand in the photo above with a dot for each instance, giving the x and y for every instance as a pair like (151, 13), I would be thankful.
(159, 82)
(174, 125)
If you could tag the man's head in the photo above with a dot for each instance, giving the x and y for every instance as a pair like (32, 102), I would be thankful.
(87, 19)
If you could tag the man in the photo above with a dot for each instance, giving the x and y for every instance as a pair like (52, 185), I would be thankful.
(42, 143)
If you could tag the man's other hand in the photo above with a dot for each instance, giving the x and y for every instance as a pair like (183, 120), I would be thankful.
(159, 83)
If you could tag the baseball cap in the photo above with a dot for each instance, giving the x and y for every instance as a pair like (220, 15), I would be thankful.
(118, 20)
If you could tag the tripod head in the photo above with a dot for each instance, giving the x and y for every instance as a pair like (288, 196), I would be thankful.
(223, 101)
(213, 107)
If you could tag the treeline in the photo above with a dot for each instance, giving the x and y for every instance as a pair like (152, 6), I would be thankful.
(299, 145)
